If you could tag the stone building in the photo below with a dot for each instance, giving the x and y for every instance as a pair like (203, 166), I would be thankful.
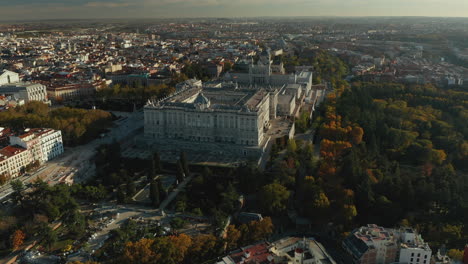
(232, 116)
(212, 115)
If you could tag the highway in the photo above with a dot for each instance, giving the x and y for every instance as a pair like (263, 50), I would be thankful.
(76, 160)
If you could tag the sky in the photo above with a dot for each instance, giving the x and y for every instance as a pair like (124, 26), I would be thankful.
(57, 9)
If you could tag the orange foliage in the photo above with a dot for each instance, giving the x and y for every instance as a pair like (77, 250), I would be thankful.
(371, 175)
(139, 252)
(182, 242)
(17, 239)
(333, 148)
(326, 169)
(356, 135)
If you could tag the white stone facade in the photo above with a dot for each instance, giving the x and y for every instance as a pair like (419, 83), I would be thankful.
(195, 118)
(26, 91)
(7, 77)
(413, 249)
(13, 159)
(33, 145)
(232, 116)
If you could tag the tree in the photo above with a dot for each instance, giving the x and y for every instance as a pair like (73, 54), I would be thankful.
(260, 230)
(50, 237)
(162, 191)
(455, 254)
(154, 193)
(292, 147)
(121, 196)
(203, 247)
(139, 252)
(184, 162)
(180, 172)
(131, 188)
(3, 178)
(87, 262)
(180, 206)
(178, 223)
(17, 239)
(76, 222)
(232, 237)
(321, 201)
(157, 162)
(182, 243)
(17, 187)
(273, 198)
(349, 212)
(356, 135)
(152, 170)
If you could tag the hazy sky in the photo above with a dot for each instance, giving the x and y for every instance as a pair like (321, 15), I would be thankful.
(43, 9)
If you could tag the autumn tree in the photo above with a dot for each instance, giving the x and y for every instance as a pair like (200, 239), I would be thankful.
(17, 239)
(232, 237)
(139, 252)
(3, 178)
(203, 247)
(181, 243)
(260, 230)
(356, 135)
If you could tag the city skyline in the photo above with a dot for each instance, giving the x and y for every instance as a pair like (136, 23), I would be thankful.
(84, 9)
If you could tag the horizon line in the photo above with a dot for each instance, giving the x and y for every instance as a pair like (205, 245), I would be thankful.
(225, 17)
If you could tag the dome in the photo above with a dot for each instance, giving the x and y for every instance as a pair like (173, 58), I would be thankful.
(202, 100)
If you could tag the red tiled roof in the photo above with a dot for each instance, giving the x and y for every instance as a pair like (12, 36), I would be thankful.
(10, 151)
(258, 254)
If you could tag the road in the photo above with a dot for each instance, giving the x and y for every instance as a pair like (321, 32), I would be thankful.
(76, 160)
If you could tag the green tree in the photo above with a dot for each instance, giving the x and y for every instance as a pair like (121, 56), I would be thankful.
(18, 188)
(455, 254)
(184, 162)
(180, 172)
(121, 195)
(131, 188)
(273, 198)
(292, 147)
(157, 162)
(162, 191)
(204, 247)
(154, 193)
(49, 237)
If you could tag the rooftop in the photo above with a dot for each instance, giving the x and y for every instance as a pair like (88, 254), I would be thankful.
(10, 151)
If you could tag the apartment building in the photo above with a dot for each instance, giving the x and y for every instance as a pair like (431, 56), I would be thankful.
(32, 145)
